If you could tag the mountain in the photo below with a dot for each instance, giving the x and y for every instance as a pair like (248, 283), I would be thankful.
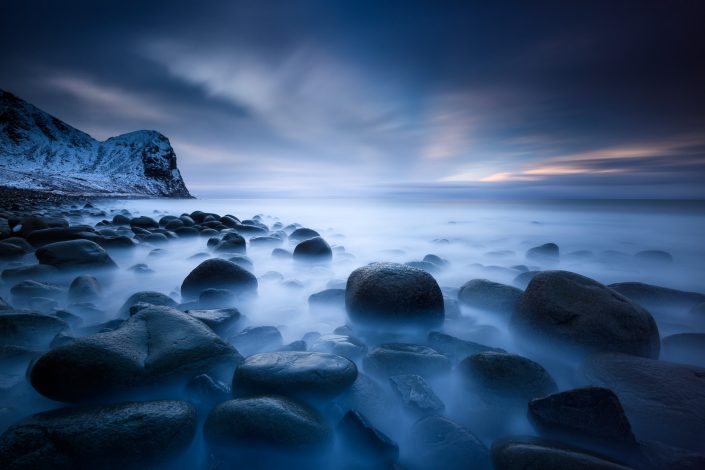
(40, 152)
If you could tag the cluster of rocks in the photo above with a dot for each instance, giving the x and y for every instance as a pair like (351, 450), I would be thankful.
(391, 388)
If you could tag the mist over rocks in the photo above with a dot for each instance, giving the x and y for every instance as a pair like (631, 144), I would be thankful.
(220, 274)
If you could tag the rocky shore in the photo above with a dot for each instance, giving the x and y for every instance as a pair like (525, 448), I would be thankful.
(582, 376)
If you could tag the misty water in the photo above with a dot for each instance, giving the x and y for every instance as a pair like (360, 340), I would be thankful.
(481, 239)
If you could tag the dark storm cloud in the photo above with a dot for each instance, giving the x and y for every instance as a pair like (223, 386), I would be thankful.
(333, 97)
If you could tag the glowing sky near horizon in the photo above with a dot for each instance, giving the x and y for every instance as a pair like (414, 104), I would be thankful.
(547, 99)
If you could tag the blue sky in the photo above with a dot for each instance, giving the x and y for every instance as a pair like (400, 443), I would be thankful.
(308, 98)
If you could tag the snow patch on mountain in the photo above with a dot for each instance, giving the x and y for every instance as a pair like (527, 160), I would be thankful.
(41, 152)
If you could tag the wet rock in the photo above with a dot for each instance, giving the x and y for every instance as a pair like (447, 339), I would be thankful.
(9, 252)
(530, 452)
(185, 232)
(301, 234)
(30, 330)
(84, 289)
(314, 249)
(281, 253)
(206, 391)
(216, 298)
(547, 252)
(20, 243)
(23, 292)
(231, 243)
(395, 295)
(416, 395)
(75, 254)
(578, 312)
(456, 349)
(341, 345)
(36, 271)
(298, 345)
(257, 338)
(688, 348)
(32, 223)
(365, 444)
(664, 401)
(144, 222)
(501, 376)
(391, 359)
(650, 296)
(121, 219)
(219, 274)
(296, 374)
(220, 320)
(271, 421)
(327, 299)
(488, 295)
(591, 412)
(146, 297)
(438, 442)
(156, 345)
(127, 435)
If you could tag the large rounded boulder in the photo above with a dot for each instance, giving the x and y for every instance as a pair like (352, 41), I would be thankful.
(75, 254)
(294, 373)
(578, 312)
(489, 295)
(395, 295)
(314, 249)
(127, 435)
(218, 273)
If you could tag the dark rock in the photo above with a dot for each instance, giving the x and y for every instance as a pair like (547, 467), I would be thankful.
(424, 266)
(20, 243)
(120, 219)
(301, 234)
(257, 338)
(488, 295)
(186, 232)
(52, 235)
(219, 274)
(341, 345)
(234, 243)
(156, 345)
(127, 435)
(327, 299)
(216, 298)
(366, 445)
(265, 241)
(523, 279)
(75, 254)
(438, 442)
(30, 330)
(688, 348)
(146, 297)
(393, 294)
(664, 401)
(585, 315)
(220, 320)
(298, 345)
(456, 349)
(654, 257)
(416, 395)
(547, 252)
(437, 260)
(9, 252)
(84, 289)
(36, 271)
(518, 453)
(650, 296)
(391, 359)
(24, 291)
(501, 376)
(591, 412)
(206, 391)
(293, 373)
(313, 249)
(281, 253)
(32, 223)
(144, 222)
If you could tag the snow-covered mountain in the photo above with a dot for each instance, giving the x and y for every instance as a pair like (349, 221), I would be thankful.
(40, 152)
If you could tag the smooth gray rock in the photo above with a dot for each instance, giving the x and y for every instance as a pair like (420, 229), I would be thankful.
(256, 339)
(75, 254)
(416, 395)
(314, 249)
(220, 320)
(489, 295)
(342, 345)
(146, 297)
(294, 373)
(219, 274)
(85, 288)
(390, 359)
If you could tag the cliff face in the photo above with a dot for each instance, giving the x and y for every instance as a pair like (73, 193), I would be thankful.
(40, 152)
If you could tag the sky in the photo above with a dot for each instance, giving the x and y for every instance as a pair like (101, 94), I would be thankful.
(585, 99)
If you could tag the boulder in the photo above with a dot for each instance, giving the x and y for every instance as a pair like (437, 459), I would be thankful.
(394, 295)
(390, 359)
(126, 435)
(655, 297)
(578, 312)
(75, 254)
(664, 401)
(255, 339)
(269, 421)
(157, 345)
(302, 234)
(501, 376)
(341, 345)
(84, 288)
(438, 442)
(591, 412)
(220, 320)
(416, 395)
(219, 274)
(294, 373)
(146, 297)
(10, 252)
(327, 299)
(548, 252)
(456, 349)
(518, 453)
(143, 222)
(30, 330)
(314, 249)
(488, 295)
(364, 444)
